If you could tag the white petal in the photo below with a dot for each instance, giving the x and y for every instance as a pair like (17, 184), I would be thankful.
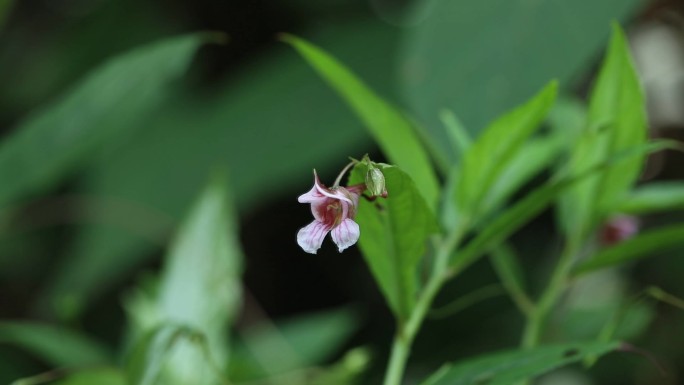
(345, 234)
(311, 237)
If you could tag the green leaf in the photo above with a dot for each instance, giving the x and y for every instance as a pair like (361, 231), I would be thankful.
(480, 59)
(501, 141)
(617, 98)
(533, 203)
(393, 132)
(394, 232)
(641, 246)
(101, 109)
(653, 197)
(616, 121)
(507, 368)
(55, 345)
(268, 349)
(200, 287)
(318, 132)
(99, 376)
(535, 156)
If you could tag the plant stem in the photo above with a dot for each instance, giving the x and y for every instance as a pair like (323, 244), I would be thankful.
(401, 347)
(557, 285)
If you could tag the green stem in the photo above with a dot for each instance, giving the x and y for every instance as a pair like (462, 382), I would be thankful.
(401, 347)
(537, 318)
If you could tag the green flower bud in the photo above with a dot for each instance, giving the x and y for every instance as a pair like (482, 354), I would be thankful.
(375, 182)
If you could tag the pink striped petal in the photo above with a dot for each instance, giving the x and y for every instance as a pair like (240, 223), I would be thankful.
(345, 234)
(311, 237)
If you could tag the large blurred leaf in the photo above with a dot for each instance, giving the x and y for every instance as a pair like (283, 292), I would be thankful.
(200, 288)
(394, 232)
(58, 346)
(268, 349)
(616, 121)
(270, 123)
(652, 197)
(643, 245)
(481, 58)
(487, 158)
(508, 367)
(99, 376)
(104, 107)
(393, 132)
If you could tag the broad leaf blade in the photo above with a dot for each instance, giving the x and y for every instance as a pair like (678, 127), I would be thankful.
(56, 345)
(394, 232)
(99, 376)
(653, 197)
(393, 132)
(500, 142)
(641, 246)
(509, 367)
(200, 287)
(104, 107)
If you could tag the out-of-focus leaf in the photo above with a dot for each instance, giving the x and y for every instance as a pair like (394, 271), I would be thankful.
(506, 368)
(499, 143)
(272, 113)
(305, 341)
(393, 132)
(653, 197)
(568, 118)
(480, 59)
(394, 232)
(56, 345)
(535, 156)
(534, 202)
(616, 121)
(104, 107)
(200, 289)
(641, 246)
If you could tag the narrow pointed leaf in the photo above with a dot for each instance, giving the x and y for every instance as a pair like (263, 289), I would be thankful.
(507, 368)
(533, 203)
(103, 107)
(499, 143)
(507, 267)
(458, 135)
(641, 246)
(653, 197)
(393, 132)
(394, 232)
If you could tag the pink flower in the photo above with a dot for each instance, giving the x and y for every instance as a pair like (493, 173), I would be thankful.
(333, 210)
(617, 229)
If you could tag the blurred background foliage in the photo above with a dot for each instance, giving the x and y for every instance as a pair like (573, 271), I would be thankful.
(115, 114)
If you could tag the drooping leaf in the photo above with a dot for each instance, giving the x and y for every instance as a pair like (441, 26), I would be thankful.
(393, 132)
(653, 197)
(509, 367)
(499, 143)
(641, 246)
(55, 345)
(394, 232)
(200, 289)
(480, 59)
(159, 171)
(102, 108)
(269, 349)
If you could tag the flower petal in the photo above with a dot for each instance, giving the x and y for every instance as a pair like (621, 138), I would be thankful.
(311, 237)
(345, 234)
